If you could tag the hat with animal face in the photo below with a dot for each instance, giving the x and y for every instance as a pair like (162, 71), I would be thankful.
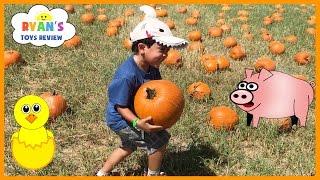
(151, 27)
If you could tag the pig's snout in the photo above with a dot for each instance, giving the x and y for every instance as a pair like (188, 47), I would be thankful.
(241, 97)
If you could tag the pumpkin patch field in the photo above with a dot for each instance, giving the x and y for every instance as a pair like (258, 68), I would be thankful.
(211, 137)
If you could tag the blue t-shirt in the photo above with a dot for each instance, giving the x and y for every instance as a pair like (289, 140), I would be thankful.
(122, 89)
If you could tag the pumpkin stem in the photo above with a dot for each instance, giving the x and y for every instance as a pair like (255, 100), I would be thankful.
(151, 93)
(54, 92)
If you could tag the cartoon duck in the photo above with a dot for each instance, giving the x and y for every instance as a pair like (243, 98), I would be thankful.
(32, 146)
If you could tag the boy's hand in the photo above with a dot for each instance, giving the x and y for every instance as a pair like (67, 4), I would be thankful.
(144, 125)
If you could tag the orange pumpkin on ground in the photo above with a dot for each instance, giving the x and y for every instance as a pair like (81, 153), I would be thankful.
(215, 32)
(302, 58)
(88, 7)
(127, 44)
(225, 28)
(112, 31)
(265, 63)
(182, 10)
(191, 21)
(230, 42)
(69, 8)
(267, 36)
(102, 17)
(194, 36)
(211, 65)
(222, 117)
(276, 47)
(207, 57)
(195, 14)
(223, 62)
(173, 59)
(199, 90)
(237, 53)
(11, 57)
(291, 39)
(195, 46)
(170, 24)
(56, 102)
(161, 12)
(311, 31)
(87, 18)
(267, 20)
(160, 99)
(73, 42)
(248, 36)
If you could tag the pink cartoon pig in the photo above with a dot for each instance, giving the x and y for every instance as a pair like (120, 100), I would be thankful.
(273, 94)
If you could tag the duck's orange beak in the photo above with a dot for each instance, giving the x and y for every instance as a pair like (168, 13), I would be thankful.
(31, 118)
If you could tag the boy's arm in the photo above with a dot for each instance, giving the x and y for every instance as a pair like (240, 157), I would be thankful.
(142, 124)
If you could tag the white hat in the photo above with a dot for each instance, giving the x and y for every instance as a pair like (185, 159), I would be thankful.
(151, 27)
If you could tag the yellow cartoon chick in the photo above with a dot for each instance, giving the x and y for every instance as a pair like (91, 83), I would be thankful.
(32, 146)
(44, 16)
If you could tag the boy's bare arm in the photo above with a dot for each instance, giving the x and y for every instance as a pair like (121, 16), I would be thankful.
(142, 124)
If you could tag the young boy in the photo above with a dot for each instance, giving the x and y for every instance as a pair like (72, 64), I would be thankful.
(152, 40)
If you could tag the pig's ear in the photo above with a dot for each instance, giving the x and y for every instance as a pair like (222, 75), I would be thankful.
(248, 73)
(264, 75)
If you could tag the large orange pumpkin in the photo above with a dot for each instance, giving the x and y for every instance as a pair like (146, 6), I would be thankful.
(73, 42)
(215, 32)
(161, 12)
(302, 58)
(194, 36)
(223, 62)
(237, 53)
(11, 57)
(170, 24)
(267, 36)
(173, 58)
(56, 102)
(265, 63)
(222, 117)
(199, 90)
(111, 31)
(87, 18)
(182, 9)
(195, 14)
(226, 28)
(69, 8)
(211, 65)
(160, 99)
(291, 39)
(191, 21)
(276, 47)
(230, 42)
(207, 57)
(127, 43)
(102, 17)
(195, 46)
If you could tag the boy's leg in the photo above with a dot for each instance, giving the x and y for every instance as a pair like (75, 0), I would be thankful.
(155, 160)
(115, 158)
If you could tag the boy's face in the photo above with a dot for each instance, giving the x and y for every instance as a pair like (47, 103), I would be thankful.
(155, 54)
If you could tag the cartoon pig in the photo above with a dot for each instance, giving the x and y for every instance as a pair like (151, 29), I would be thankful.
(273, 94)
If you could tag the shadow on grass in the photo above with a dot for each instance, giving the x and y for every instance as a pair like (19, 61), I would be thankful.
(188, 162)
